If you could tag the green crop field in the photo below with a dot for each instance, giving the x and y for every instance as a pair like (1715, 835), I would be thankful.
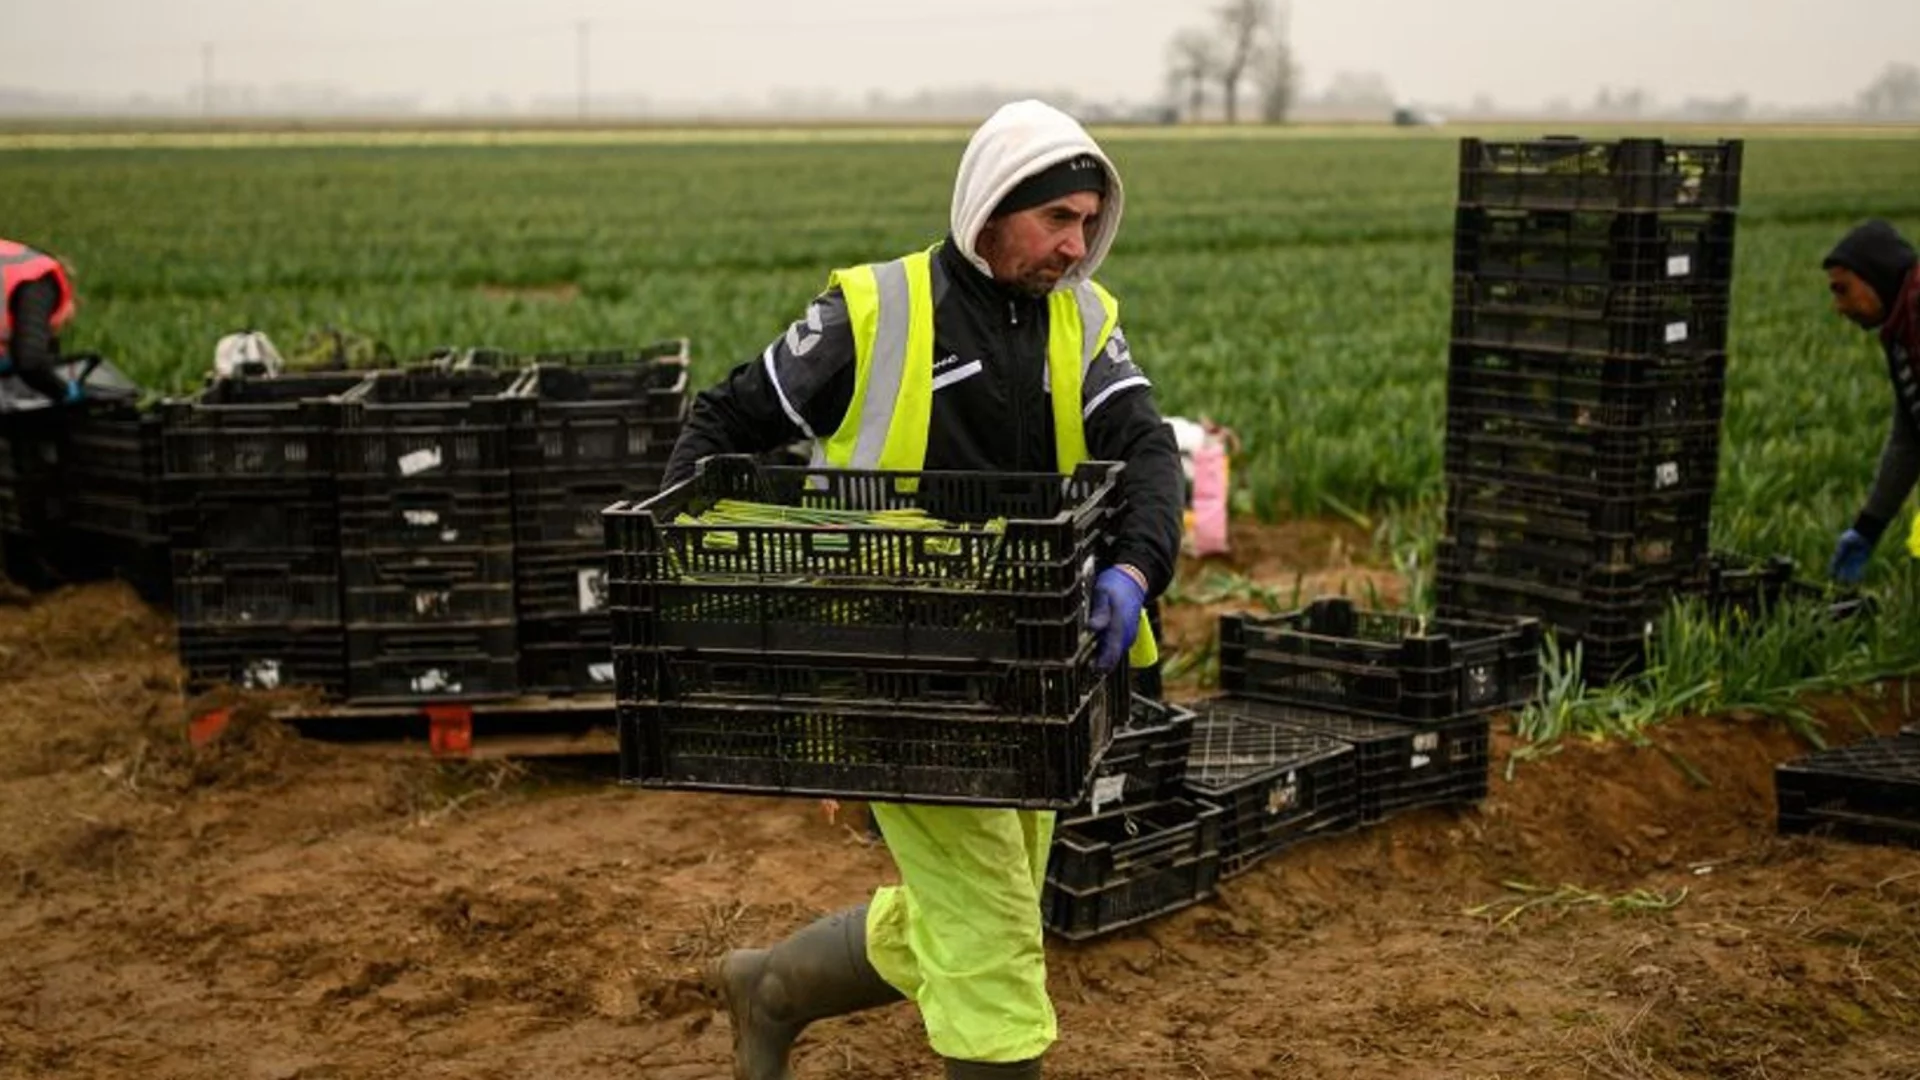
(1295, 288)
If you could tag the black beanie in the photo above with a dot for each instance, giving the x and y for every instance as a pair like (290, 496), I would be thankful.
(1879, 254)
(1082, 172)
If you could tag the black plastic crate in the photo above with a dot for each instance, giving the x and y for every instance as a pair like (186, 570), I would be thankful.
(1392, 665)
(1869, 792)
(1278, 785)
(1627, 612)
(1400, 766)
(1628, 320)
(253, 515)
(420, 425)
(261, 587)
(1597, 462)
(565, 507)
(1594, 246)
(30, 471)
(1119, 870)
(265, 657)
(1580, 391)
(1557, 562)
(125, 517)
(566, 655)
(872, 751)
(1625, 531)
(1017, 591)
(1631, 174)
(614, 410)
(408, 665)
(247, 428)
(561, 579)
(447, 585)
(422, 517)
(1146, 761)
(991, 689)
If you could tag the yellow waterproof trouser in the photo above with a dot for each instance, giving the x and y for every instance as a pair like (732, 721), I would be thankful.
(961, 935)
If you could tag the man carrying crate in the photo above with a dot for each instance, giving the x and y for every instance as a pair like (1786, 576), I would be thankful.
(993, 350)
(1873, 277)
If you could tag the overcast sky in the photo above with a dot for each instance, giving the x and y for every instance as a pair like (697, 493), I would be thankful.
(1786, 52)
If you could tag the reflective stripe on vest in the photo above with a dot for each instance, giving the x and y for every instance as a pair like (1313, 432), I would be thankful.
(890, 308)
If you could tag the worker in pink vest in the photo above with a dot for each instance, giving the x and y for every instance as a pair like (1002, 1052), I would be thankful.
(36, 301)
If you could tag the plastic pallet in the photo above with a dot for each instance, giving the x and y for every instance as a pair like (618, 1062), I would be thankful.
(1111, 872)
(1391, 665)
(245, 429)
(880, 751)
(566, 655)
(269, 588)
(1571, 174)
(420, 426)
(449, 585)
(1869, 791)
(1400, 766)
(1277, 785)
(265, 657)
(1019, 592)
(1594, 246)
(1146, 761)
(1579, 392)
(409, 665)
(556, 580)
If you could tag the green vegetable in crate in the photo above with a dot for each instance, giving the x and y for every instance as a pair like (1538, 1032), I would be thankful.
(1035, 211)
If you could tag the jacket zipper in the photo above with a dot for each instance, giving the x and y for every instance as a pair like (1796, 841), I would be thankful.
(1016, 394)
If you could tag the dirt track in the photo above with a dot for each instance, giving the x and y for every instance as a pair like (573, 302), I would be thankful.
(273, 908)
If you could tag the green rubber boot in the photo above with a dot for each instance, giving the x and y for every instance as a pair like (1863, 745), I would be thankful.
(771, 995)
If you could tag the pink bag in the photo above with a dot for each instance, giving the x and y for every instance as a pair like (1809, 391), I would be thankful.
(1208, 519)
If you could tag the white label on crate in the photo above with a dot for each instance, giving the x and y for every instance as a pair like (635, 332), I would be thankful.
(421, 519)
(432, 601)
(600, 673)
(262, 675)
(434, 680)
(593, 590)
(1666, 475)
(449, 536)
(1284, 795)
(1419, 761)
(1676, 333)
(1426, 742)
(419, 461)
(1679, 265)
(1108, 789)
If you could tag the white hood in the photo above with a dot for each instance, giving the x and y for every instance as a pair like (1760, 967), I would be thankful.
(1021, 139)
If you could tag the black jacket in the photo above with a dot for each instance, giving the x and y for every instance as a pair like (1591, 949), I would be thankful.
(1884, 259)
(33, 352)
(991, 405)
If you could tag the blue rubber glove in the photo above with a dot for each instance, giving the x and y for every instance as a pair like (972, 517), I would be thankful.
(1850, 558)
(1118, 597)
(76, 393)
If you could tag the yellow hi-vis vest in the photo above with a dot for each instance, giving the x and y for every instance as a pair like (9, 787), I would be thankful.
(890, 306)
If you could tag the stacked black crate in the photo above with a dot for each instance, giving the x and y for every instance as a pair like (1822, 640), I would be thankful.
(599, 431)
(1585, 383)
(253, 518)
(426, 535)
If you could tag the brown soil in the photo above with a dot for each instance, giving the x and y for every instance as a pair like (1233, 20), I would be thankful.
(270, 907)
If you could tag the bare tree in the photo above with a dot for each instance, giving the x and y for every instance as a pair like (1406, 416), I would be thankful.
(1896, 93)
(1245, 26)
(1276, 75)
(1193, 58)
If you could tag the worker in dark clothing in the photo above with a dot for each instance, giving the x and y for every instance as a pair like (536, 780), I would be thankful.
(1873, 277)
(36, 301)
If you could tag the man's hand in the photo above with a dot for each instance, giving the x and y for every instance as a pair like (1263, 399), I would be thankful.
(1118, 595)
(1850, 558)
